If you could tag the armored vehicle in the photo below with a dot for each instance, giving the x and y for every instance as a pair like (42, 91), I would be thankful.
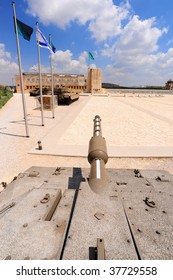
(64, 95)
(36, 91)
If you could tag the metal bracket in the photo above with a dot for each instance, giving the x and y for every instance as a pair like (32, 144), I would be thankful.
(54, 205)
(100, 249)
(7, 207)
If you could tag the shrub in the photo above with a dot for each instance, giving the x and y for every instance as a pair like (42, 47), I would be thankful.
(4, 97)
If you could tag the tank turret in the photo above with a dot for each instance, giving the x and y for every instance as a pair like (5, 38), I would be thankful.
(65, 95)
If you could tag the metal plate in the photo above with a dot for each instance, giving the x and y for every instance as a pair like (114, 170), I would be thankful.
(24, 232)
(86, 227)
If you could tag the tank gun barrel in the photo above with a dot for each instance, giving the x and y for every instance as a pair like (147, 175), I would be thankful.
(97, 157)
(97, 126)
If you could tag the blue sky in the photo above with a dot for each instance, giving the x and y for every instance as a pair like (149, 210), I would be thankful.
(132, 41)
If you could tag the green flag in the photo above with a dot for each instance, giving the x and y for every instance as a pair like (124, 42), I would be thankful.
(24, 30)
(91, 56)
(52, 46)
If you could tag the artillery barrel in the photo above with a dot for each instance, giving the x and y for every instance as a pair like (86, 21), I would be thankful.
(97, 157)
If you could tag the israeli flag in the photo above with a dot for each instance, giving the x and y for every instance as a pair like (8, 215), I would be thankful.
(42, 41)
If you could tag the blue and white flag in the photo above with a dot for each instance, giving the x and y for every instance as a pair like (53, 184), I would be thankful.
(42, 41)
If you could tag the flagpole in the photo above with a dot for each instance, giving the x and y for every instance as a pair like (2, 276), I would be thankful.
(88, 60)
(52, 84)
(40, 80)
(20, 71)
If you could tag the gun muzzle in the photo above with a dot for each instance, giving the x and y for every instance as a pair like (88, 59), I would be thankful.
(97, 157)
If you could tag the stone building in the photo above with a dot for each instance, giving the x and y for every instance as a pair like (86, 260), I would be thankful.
(169, 85)
(75, 83)
(94, 81)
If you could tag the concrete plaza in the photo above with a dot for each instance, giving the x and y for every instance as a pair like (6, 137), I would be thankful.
(133, 127)
(138, 131)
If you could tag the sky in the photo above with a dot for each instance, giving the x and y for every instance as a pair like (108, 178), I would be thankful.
(131, 40)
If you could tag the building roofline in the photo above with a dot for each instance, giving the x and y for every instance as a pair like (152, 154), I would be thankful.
(48, 74)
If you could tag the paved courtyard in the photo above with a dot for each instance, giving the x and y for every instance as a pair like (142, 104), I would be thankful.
(132, 126)
(138, 132)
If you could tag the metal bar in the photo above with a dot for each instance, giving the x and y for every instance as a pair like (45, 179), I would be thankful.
(53, 207)
(52, 84)
(69, 222)
(132, 235)
(7, 207)
(20, 71)
(40, 78)
(98, 173)
(97, 157)
(100, 249)
(97, 126)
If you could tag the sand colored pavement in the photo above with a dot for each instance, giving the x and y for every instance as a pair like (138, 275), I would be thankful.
(133, 128)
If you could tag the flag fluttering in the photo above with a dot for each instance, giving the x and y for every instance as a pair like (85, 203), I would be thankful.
(24, 30)
(53, 49)
(91, 56)
(41, 40)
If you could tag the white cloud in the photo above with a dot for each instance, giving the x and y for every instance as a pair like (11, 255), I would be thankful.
(107, 22)
(63, 62)
(8, 69)
(61, 13)
(150, 69)
(135, 57)
(3, 53)
(133, 52)
(140, 36)
(104, 17)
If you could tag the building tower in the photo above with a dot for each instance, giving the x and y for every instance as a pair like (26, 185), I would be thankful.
(94, 81)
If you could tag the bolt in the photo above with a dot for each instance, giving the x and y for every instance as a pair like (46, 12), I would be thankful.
(25, 225)
(40, 145)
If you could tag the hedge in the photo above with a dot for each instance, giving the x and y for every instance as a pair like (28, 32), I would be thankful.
(4, 97)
